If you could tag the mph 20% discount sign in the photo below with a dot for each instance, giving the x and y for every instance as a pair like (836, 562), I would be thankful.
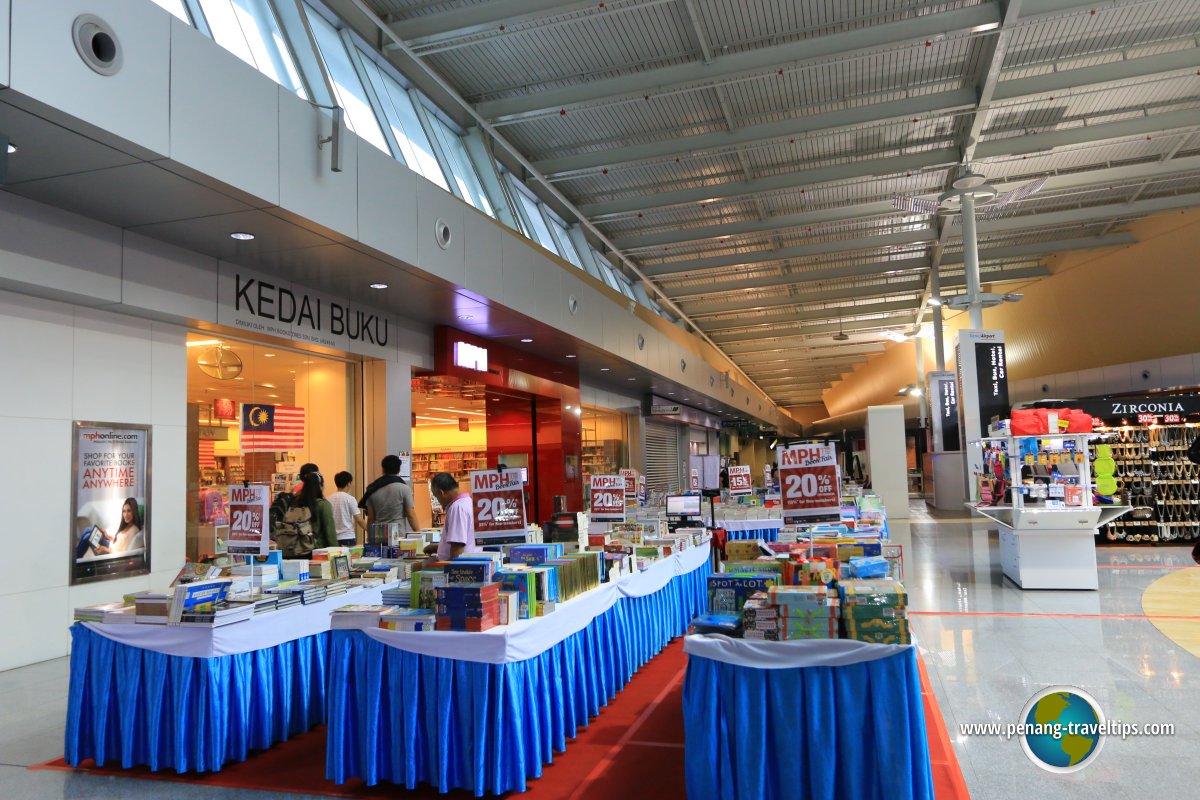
(608, 498)
(808, 480)
(248, 533)
(498, 502)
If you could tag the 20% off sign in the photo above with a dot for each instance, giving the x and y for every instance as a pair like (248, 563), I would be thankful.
(608, 498)
(808, 480)
(498, 502)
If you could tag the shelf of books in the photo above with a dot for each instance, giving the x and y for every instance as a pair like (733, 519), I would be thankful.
(600, 457)
(427, 463)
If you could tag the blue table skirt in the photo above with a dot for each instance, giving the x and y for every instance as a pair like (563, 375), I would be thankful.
(129, 706)
(406, 718)
(766, 534)
(855, 731)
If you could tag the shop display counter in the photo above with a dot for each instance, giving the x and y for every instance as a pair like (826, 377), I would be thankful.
(485, 711)
(194, 698)
(818, 719)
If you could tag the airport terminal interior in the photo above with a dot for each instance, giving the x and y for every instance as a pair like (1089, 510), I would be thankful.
(680, 398)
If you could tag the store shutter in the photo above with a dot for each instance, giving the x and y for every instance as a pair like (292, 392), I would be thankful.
(662, 457)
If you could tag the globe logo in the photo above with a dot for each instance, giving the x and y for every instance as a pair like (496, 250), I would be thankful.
(1063, 729)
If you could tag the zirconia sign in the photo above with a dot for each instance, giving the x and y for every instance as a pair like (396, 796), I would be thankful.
(1147, 408)
(469, 356)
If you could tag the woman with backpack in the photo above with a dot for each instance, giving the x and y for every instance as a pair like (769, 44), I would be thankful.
(308, 524)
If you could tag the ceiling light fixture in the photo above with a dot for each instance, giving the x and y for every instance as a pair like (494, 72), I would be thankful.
(379, 285)
(458, 411)
(435, 419)
(572, 355)
(12, 148)
(268, 355)
(465, 317)
(631, 379)
(203, 342)
(526, 341)
(604, 369)
(241, 236)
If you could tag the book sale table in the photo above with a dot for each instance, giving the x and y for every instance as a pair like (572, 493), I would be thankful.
(765, 529)
(485, 711)
(194, 698)
(819, 719)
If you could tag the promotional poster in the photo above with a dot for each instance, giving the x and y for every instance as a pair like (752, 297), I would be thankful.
(110, 489)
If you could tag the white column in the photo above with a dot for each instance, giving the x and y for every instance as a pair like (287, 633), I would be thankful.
(971, 262)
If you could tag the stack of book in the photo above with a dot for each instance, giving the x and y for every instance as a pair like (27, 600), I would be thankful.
(523, 584)
(408, 619)
(399, 595)
(784, 613)
(287, 599)
(294, 570)
(260, 576)
(358, 617)
(109, 613)
(468, 606)
(336, 587)
(266, 604)
(197, 598)
(313, 591)
(221, 614)
(875, 611)
(152, 608)
(423, 585)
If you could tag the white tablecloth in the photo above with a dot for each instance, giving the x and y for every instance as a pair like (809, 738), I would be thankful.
(257, 633)
(528, 638)
(748, 524)
(786, 655)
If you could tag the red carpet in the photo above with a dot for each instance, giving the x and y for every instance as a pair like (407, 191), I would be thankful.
(633, 749)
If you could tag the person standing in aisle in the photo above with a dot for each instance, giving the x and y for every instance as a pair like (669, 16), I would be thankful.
(347, 516)
(312, 497)
(389, 498)
(458, 531)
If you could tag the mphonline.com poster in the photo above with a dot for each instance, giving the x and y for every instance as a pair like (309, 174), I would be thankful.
(110, 537)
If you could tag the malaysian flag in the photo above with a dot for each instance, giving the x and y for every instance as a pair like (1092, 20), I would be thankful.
(208, 457)
(271, 428)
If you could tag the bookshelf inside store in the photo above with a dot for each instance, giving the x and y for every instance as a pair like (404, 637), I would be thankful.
(459, 463)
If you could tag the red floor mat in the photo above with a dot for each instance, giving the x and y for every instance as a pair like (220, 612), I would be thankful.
(633, 749)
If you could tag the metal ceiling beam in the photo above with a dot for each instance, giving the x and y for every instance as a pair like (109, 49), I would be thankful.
(835, 312)
(861, 211)
(873, 268)
(478, 19)
(815, 359)
(719, 324)
(1125, 69)
(671, 78)
(1088, 214)
(779, 222)
(812, 351)
(880, 267)
(690, 146)
(1148, 123)
(889, 165)
(989, 75)
(906, 286)
(892, 320)
(784, 253)
(801, 374)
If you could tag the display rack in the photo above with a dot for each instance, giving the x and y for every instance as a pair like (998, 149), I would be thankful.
(1155, 474)
(1042, 501)
(459, 463)
(600, 457)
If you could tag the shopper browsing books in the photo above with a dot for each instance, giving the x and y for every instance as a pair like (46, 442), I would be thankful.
(389, 498)
(319, 512)
(346, 514)
(458, 532)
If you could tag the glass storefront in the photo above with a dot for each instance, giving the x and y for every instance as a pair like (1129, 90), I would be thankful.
(605, 442)
(256, 412)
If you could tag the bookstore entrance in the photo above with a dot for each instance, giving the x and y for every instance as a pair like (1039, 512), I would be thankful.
(487, 405)
(256, 412)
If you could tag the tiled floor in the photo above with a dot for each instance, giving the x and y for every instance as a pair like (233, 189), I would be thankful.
(985, 667)
(984, 661)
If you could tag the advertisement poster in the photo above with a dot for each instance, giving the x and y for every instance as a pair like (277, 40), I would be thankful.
(992, 382)
(249, 520)
(695, 480)
(497, 503)
(809, 481)
(630, 476)
(739, 479)
(608, 498)
(110, 491)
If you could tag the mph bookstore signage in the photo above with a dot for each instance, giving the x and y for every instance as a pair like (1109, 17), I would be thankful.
(110, 490)
(808, 480)
(631, 483)
(739, 479)
(608, 498)
(498, 503)
(249, 532)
